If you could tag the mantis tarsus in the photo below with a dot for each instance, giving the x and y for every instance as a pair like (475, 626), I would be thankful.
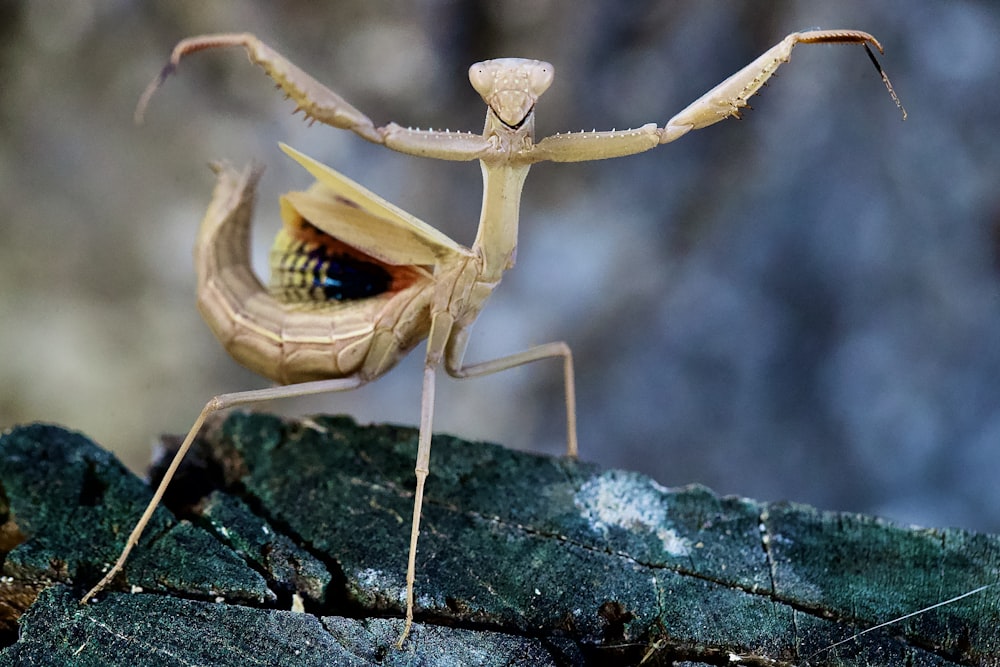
(358, 282)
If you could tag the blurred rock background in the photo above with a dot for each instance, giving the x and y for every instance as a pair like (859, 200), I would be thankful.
(802, 305)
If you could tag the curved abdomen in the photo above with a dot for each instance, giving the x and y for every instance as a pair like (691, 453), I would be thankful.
(330, 312)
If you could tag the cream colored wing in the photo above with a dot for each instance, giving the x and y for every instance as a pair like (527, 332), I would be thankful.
(360, 218)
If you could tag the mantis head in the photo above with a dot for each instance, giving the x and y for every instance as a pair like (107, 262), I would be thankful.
(510, 86)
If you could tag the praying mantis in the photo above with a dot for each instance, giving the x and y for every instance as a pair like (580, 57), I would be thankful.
(357, 282)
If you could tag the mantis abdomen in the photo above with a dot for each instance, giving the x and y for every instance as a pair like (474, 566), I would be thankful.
(278, 334)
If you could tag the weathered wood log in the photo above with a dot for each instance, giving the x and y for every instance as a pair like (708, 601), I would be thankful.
(523, 560)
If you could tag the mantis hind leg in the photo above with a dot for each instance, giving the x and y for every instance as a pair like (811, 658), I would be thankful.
(220, 402)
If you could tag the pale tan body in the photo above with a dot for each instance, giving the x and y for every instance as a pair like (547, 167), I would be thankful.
(342, 346)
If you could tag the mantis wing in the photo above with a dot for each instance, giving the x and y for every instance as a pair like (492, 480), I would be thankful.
(360, 218)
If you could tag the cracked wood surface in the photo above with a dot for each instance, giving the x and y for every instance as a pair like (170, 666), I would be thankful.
(523, 560)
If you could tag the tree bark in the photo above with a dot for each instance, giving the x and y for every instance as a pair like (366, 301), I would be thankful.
(523, 559)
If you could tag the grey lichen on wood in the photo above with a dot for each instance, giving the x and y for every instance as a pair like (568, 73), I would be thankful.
(523, 560)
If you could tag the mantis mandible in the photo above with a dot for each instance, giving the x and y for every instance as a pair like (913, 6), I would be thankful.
(357, 282)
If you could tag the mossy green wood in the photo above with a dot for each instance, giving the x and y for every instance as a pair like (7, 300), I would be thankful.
(552, 559)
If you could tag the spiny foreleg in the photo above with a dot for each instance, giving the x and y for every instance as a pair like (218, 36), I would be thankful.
(726, 99)
(311, 97)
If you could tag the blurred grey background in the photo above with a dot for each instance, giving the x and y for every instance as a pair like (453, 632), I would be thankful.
(800, 305)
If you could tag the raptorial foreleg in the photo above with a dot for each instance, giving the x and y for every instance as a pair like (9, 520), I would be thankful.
(726, 99)
(318, 103)
(723, 101)
(314, 99)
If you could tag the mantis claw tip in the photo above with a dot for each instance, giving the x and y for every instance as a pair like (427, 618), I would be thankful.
(885, 77)
(140, 108)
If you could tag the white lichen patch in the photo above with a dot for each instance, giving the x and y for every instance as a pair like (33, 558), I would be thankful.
(376, 580)
(370, 578)
(631, 502)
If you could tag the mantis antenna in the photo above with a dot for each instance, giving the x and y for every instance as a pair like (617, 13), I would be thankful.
(357, 282)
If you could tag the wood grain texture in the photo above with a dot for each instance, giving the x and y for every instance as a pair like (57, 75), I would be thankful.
(524, 560)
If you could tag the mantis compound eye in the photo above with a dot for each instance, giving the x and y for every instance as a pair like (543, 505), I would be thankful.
(481, 76)
(540, 77)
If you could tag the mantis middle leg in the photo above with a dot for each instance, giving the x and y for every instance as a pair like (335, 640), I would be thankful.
(448, 343)
(457, 369)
